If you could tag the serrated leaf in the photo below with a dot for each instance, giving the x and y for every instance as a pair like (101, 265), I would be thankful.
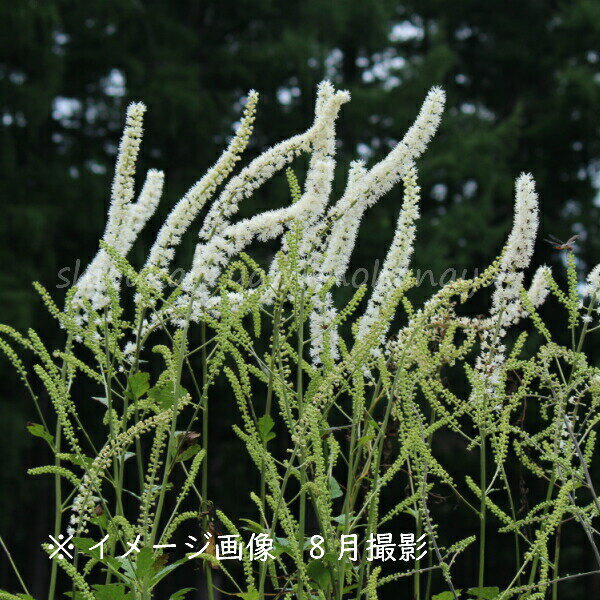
(38, 430)
(488, 593)
(84, 544)
(249, 595)
(365, 439)
(115, 565)
(335, 491)
(446, 596)
(111, 591)
(265, 426)
(83, 461)
(138, 385)
(100, 521)
(163, 395)
(254, 526)
(144, 564)
(319, 573)
(341, 519)
(180, 594)
(188, 453)
(125, 563)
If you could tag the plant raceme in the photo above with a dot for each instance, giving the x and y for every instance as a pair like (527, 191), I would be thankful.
(338, 405)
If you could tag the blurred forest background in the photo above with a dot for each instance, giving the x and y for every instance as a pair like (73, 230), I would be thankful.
(523, 83)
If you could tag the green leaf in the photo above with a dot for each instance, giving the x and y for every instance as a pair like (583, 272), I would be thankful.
(319, 573)
(188, 453)
(114, 565)
(265, 426)
(163, 394)
(125, 563)
(282, 545)
(249, 595)
(164, 571)
(83, 461)
(180, 594)
(335, 490)
(38, 430)
(138, 385)
(489, 593)
(111, 591)
(446, 596)
(253, 526)
(84, 544)
(100, 521)
(364, 440)
(144, 564)
(341, 519)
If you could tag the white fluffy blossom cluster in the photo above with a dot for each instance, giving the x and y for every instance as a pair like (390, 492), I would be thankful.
(328, 229)
(593, 281)
(225, 241)
(328, 236)
(82, 502)
(187, 209)
(395, 267)
(125, 218)
(363, 189)
(323, 314)
(507, 307)
(538, 291)
(262, 168)
(519, 250)
(318, 184)
(322, 327)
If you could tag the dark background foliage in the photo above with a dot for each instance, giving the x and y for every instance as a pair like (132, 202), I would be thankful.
(523, 85)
